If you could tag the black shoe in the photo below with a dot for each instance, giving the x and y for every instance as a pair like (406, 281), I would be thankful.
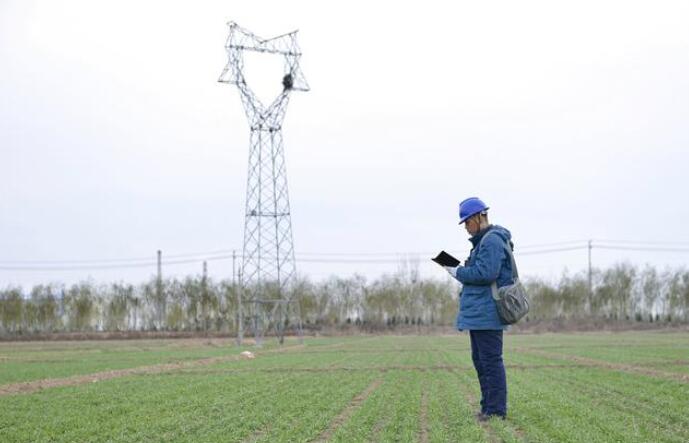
(486, 417)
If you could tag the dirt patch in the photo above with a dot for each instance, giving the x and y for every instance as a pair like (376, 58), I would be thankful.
(37, 385)
(590, 362)
(348, 411)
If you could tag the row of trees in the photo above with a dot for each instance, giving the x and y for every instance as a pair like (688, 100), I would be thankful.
(622, 292)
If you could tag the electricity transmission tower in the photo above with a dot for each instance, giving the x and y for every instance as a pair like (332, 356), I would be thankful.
(268, 265)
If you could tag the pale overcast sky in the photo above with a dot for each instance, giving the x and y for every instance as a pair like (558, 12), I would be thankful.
(571, 120)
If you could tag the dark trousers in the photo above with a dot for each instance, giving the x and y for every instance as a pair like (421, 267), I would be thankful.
(486, 352)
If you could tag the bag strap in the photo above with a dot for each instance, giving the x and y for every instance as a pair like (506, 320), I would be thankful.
(515, 273)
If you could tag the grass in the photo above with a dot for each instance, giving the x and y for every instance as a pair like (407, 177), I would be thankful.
(353, 390)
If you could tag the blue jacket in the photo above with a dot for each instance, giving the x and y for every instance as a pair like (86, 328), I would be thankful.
(489, 263)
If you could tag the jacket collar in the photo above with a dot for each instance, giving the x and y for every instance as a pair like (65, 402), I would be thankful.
(479, 235)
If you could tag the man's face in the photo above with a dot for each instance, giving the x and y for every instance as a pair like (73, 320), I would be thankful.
(472, 224)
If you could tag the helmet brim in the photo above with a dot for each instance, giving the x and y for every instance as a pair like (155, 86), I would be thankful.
(467, 217)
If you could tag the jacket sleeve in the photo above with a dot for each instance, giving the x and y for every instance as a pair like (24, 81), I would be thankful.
(486, 267)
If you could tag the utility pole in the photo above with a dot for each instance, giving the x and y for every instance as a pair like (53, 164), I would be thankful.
(240, 313)
(62, 303)
(590, 246)
(159, 291)
(204, 297)
(160, 268)
(234, 258)
(236, 293)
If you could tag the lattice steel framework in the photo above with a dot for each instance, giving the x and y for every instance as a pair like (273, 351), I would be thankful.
(268, 265)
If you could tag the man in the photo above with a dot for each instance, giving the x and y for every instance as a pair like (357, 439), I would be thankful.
(488, 262)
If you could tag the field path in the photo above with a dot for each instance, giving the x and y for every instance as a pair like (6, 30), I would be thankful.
(37, 385)
(590, 362)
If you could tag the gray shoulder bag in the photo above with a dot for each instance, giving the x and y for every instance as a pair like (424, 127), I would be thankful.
(511, 300)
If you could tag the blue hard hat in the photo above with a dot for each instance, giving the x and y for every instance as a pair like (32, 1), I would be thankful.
(470, 206)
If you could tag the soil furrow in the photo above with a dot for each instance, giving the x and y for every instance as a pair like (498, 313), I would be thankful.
(423, 417)
(348, 411)
(609, 365)
(473, 401)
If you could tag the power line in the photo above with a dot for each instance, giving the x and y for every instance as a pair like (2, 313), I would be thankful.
(650, 249)
(307, 257)
(144, 261)
(401, 253)
(643, 242)
(345, 260)
(151, 263)
(549, 245)
(550, 251)
(66, 262)
(355, 254)
(200, 255)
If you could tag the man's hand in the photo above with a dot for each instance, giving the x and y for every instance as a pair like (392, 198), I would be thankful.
(452, 270)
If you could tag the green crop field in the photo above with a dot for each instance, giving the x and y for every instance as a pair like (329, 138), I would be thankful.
(587, 387)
